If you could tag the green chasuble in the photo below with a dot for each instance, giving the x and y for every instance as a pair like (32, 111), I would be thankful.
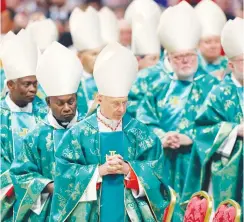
(2, 78)
(82, 100)
(13, 128)
(33, 169)
(91, 88)
(219, 65)
(221, 113)
(146, 83)
(78, 156)
(174, 108)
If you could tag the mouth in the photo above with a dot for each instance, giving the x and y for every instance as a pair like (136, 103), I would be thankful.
(186, 67)
(31, 96)
(67, 115)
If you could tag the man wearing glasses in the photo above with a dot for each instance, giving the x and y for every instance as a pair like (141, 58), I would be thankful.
(171, 111)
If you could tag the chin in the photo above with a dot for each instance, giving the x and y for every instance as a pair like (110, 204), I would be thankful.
(68, 119)
(118, 117)
(30, 100)
(187, 72)
(213, 57)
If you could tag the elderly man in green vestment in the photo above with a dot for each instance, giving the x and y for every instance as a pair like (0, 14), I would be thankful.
(217, 156)
(109, 165)
(33, 171)
(171, 111)
(212, 20)
(20, 110)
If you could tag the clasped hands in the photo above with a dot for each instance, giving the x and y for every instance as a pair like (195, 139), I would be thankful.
(174, 140)
(114, 165)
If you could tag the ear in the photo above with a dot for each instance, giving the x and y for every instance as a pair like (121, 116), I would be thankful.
(168, 56)
(79, 55)
(231, 66)
(48, 101)
(11, 85)
(99, 98)
(138, 58)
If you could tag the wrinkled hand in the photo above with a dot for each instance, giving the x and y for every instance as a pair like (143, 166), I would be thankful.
(185, 140)
(49, 188)
(171, 140)
(114, 165)
(240, 130)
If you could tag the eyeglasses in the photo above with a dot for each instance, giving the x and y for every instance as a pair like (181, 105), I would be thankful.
(188, 57)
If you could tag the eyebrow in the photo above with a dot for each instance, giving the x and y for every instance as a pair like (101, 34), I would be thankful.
(117, 101)
(33, 82)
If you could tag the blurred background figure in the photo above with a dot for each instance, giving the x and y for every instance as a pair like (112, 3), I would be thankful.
(125, 33)
(20, 21)
(144, 15)
(238, 8)
(44, 32)
(7, 19)
(228, 7)
(17, 14)
(212, 20)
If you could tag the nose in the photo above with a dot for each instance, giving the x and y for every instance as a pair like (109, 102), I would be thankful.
(184, 60)
(66, 108)
(122, 108)
(33, 88)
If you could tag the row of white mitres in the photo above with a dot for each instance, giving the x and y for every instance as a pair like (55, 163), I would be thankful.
(116, 67)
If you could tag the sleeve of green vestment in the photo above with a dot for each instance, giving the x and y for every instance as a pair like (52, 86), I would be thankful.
(150, 174)
(147, 114)
(212, 126)
(27, 178)
(73, 174)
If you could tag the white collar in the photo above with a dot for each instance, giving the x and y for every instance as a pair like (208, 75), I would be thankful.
(112, 123)
(86, 75)
(14, 108)
(53, 122)
(237, 83)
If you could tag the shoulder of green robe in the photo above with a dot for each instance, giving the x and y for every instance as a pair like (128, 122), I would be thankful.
(226, 89)
(5, 117)
(40, 128)
(4, 109)
(40, 107)
(86, 127)
(139, 131)
(203, 77)
(160, 87)
(150, 71)
(224, 61)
